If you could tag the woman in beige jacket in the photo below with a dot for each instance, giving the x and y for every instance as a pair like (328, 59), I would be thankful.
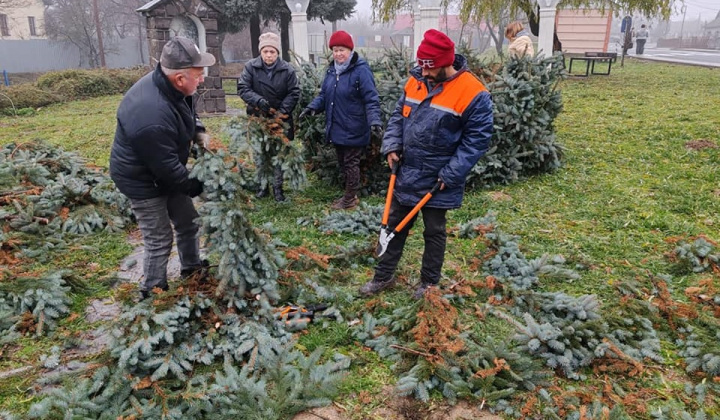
(520, 42)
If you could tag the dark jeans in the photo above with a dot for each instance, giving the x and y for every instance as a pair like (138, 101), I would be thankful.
(349, 160)
(435, 239)
(640, 46)
(154, 216)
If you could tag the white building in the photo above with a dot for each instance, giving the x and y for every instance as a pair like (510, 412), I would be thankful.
(25, 20)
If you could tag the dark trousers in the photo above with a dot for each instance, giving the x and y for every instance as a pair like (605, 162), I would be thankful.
(640, 46)
(157, 217)
(349, 160)
(435, 237)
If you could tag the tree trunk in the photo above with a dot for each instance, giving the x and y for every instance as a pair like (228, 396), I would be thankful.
(255, 34)
(285, 35)
(221, 39)
(98, 28)
(500, 37)
(141, 38)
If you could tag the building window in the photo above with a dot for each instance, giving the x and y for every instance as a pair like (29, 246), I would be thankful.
(31, 23)
(4, 29)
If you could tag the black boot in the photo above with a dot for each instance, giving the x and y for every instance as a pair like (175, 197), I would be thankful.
(279, 195)
(201, 271)
(278, 185)
(262, 193)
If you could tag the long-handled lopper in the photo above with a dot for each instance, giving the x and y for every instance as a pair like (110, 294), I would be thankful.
(386, 234)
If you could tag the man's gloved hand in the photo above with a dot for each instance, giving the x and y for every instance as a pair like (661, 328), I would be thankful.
(202, 139)
(264, 105)
(196, 187)
(305, 112)
(376, 131)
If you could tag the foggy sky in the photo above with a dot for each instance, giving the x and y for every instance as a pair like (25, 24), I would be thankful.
(706, 9)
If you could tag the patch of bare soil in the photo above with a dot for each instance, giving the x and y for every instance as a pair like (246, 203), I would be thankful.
(500, 196)
(403, 408)
(700, 144)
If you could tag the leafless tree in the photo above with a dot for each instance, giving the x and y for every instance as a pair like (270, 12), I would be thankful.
(7, 4)
(73, 21)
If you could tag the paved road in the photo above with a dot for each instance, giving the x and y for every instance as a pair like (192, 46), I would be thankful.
(710, 58)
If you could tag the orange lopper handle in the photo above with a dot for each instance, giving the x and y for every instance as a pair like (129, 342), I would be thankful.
(417, 207)
(388, 198)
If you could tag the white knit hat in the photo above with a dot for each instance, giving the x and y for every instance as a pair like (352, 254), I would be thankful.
(269, 39)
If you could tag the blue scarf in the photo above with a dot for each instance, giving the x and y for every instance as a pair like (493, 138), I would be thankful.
(340, 68)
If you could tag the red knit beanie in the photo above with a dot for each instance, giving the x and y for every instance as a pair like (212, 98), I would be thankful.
(341, 39)
(436, 50)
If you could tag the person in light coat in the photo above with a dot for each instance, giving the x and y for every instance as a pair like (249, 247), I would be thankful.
(520, 42)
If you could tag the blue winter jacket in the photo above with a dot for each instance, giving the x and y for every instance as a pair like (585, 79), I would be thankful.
(351, 104)
(439, 134)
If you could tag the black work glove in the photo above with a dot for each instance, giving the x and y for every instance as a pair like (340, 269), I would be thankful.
(305, 112)
(264, 106)
(196, 187)
(377, 131)
(202, 139)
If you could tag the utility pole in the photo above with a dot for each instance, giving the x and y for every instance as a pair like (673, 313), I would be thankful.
(98, 28)
(683, 9)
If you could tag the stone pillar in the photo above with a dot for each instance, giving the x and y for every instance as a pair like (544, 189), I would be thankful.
(210, 98)
(429, 19)
(298, 11)
(548, 11)
(417, 28)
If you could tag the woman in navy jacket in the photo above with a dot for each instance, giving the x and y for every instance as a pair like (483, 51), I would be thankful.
(352, 112)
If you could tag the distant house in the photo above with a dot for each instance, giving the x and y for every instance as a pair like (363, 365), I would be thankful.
(23, 22)
(714, 25)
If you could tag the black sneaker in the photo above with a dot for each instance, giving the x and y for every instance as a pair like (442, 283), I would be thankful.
(374, 287)
(201, 271)
(419, 293)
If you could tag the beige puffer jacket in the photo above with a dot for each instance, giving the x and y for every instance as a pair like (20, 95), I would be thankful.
(520, 46)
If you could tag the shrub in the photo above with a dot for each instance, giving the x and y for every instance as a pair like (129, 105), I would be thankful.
(14, 98)
(68, 85)
(80, 84)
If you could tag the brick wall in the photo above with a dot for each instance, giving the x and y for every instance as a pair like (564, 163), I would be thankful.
(210, 96)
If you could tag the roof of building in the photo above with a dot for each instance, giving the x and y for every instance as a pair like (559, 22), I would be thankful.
(715, 24)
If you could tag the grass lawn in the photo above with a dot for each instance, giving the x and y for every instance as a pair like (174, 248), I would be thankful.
(641, 167)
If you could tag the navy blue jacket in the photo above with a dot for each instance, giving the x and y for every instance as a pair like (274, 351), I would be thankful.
(155, 127)
(439, 134)
(351, 104)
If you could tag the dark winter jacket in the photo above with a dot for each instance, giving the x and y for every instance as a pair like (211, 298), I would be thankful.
(351, 103)
(439, 134)
(155, 127)
(280, 88)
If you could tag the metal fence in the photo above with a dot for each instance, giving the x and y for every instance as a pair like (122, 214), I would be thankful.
(39, 55)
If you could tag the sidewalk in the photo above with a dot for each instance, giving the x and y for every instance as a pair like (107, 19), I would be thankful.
(694, 57)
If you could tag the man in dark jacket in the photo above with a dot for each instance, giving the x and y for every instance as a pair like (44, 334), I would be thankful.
(269, 87)
(440, 128)
(156, 125)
